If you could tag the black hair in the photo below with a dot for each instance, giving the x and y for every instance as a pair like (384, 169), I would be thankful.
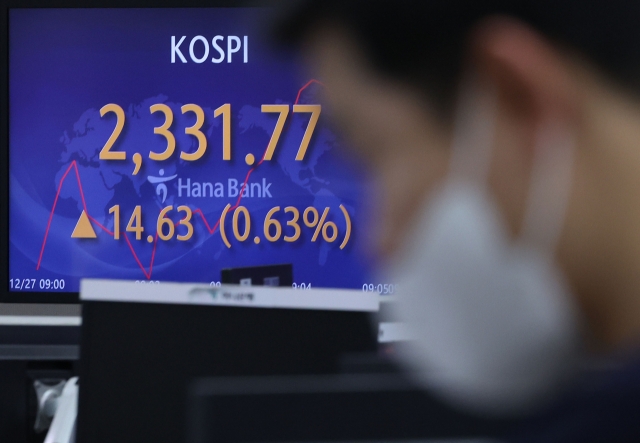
(424, 42)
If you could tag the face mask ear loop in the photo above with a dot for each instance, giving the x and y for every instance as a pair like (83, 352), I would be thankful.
(553, 158)
(550, 189)
(474, 128)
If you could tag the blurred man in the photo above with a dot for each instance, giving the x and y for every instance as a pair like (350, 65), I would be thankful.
(506, 138)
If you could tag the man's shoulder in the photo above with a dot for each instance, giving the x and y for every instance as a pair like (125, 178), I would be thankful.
(604, 406)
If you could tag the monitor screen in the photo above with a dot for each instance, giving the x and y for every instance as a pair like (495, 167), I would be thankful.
(160, 145)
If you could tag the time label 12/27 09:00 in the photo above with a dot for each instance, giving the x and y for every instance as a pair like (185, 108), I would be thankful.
(28, 284)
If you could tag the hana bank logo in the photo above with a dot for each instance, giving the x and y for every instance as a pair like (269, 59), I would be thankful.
(160, 182)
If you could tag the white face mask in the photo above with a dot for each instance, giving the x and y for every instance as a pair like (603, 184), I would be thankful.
(492, 321)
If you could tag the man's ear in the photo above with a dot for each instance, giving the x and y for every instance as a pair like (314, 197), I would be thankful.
(530, 74)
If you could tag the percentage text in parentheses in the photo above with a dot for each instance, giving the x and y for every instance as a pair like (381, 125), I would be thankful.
(347, 219)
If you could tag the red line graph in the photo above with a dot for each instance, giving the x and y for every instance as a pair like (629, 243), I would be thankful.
(198, 211)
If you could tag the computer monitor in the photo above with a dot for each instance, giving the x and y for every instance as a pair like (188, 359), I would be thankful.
(346, 407)
(271, 275)
(138, 359)
(167, 144)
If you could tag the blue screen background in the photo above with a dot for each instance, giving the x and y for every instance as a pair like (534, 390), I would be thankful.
(66, 64)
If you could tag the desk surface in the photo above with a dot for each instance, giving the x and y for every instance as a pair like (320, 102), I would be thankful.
(38, 309)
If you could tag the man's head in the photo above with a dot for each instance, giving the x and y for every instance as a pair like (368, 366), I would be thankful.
(393, 70)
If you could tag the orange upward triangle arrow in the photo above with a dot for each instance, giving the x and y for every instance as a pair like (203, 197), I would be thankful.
(83, 228)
